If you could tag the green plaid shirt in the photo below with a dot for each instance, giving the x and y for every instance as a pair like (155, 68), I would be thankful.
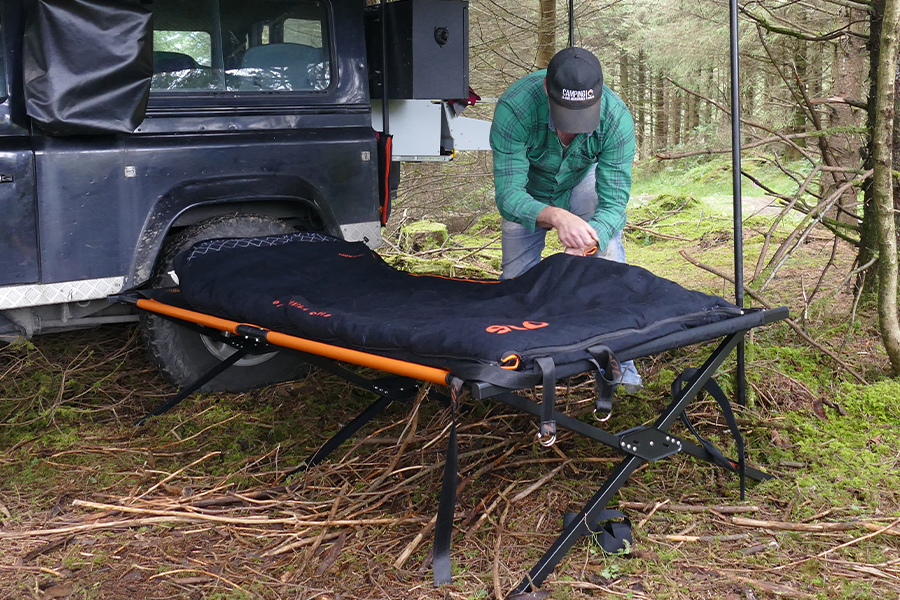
(530, 171)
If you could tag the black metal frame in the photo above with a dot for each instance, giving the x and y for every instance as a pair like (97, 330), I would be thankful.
(582, 524)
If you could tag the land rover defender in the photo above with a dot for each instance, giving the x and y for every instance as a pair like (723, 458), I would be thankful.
(131, 129)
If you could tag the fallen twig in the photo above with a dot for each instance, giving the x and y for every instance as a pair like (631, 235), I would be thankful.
(772, 588)
(786, 526)
(691, 508)
(411, 547)
(701, 538)
(879, 531)
(208, 574)
(664, 236)
(178, 472)
(652, 512)
(890, 530)
(537, 484)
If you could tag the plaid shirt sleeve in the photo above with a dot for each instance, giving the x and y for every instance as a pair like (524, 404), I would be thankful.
(508, 141)
(614, 173)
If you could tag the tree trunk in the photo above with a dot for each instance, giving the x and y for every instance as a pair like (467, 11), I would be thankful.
(867, 282)
(882, 138)
(675, 117)
(546, 44)
(641, 124)
(849, 75)
(661, 128)
(624, 90)
(798, 123)
(691, 115)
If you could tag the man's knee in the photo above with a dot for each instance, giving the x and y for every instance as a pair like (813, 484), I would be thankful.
(521, 249)
(583, 198)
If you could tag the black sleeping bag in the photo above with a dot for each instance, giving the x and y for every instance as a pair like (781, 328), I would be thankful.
(318, 287)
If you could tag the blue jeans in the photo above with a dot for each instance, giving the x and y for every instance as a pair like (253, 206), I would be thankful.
(522, 248)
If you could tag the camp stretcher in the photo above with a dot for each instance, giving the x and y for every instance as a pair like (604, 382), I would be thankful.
(334, 302)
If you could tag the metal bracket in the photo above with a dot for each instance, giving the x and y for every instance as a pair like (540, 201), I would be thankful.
(649, 443)
(398, 387)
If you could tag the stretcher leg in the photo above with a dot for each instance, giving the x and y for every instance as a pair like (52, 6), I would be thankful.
(190, 389)
(580, 525)
(393, 389)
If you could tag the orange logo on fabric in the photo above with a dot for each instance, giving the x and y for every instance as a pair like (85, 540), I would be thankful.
(526, 325)
(300, 306)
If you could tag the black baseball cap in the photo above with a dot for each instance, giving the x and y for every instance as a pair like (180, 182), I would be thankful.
(574, 84)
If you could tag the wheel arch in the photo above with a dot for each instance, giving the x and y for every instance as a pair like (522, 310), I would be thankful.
(283, 197)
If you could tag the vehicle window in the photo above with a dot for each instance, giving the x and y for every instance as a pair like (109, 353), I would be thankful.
(3, 94)
(239, 46)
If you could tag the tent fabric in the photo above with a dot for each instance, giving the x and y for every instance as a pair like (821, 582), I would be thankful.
(321, 288)
(87, 65)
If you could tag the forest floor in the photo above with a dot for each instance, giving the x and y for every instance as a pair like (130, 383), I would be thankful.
(195, 505)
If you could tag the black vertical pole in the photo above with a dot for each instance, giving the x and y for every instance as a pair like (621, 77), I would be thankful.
(385, 125)
(571, 23)
(736, 190)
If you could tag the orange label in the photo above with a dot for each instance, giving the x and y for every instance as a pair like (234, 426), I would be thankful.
(525, 326)
(300, 306)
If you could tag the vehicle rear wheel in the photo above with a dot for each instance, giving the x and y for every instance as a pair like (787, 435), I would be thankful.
(183, 355)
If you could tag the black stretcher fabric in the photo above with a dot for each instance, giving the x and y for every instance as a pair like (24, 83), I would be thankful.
(321, 288)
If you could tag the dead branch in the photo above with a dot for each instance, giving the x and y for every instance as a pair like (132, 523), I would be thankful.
(791, 323)
(537, 484)
(688, 508)
(702, 538)
(786, 526)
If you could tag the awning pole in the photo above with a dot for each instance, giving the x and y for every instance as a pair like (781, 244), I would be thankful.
(736, 191)
(385, 125)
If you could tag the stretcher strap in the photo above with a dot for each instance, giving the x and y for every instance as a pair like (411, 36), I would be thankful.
(719, 396)
(547, 432)
(609, 374)
(612, 536)
(494, 375)
(443, 528)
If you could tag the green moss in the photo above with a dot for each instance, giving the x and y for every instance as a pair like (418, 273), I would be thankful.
(423, 235)
(852, 457)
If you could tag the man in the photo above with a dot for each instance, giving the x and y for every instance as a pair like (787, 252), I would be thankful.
(563, 148)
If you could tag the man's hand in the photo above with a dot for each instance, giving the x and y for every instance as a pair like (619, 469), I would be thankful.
(574, 232)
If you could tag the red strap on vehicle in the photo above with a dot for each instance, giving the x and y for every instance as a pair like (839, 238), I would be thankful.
(385, 142)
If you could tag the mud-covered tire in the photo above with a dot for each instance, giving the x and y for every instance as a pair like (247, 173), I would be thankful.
(183, 355)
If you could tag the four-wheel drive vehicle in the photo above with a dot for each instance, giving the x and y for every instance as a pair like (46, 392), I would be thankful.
(130, 129)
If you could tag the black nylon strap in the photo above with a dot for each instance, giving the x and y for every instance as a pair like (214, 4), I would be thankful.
(547, 433)
(609, 374)
(443, 528)
(713, 389)
(514, 380)
(611, 536)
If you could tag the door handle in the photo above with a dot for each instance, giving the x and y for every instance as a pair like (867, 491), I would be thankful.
(6, 178)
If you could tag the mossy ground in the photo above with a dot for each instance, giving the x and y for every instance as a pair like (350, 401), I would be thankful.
(67, 403)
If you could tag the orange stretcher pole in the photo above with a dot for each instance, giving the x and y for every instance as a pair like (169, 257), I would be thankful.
(356, 357)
